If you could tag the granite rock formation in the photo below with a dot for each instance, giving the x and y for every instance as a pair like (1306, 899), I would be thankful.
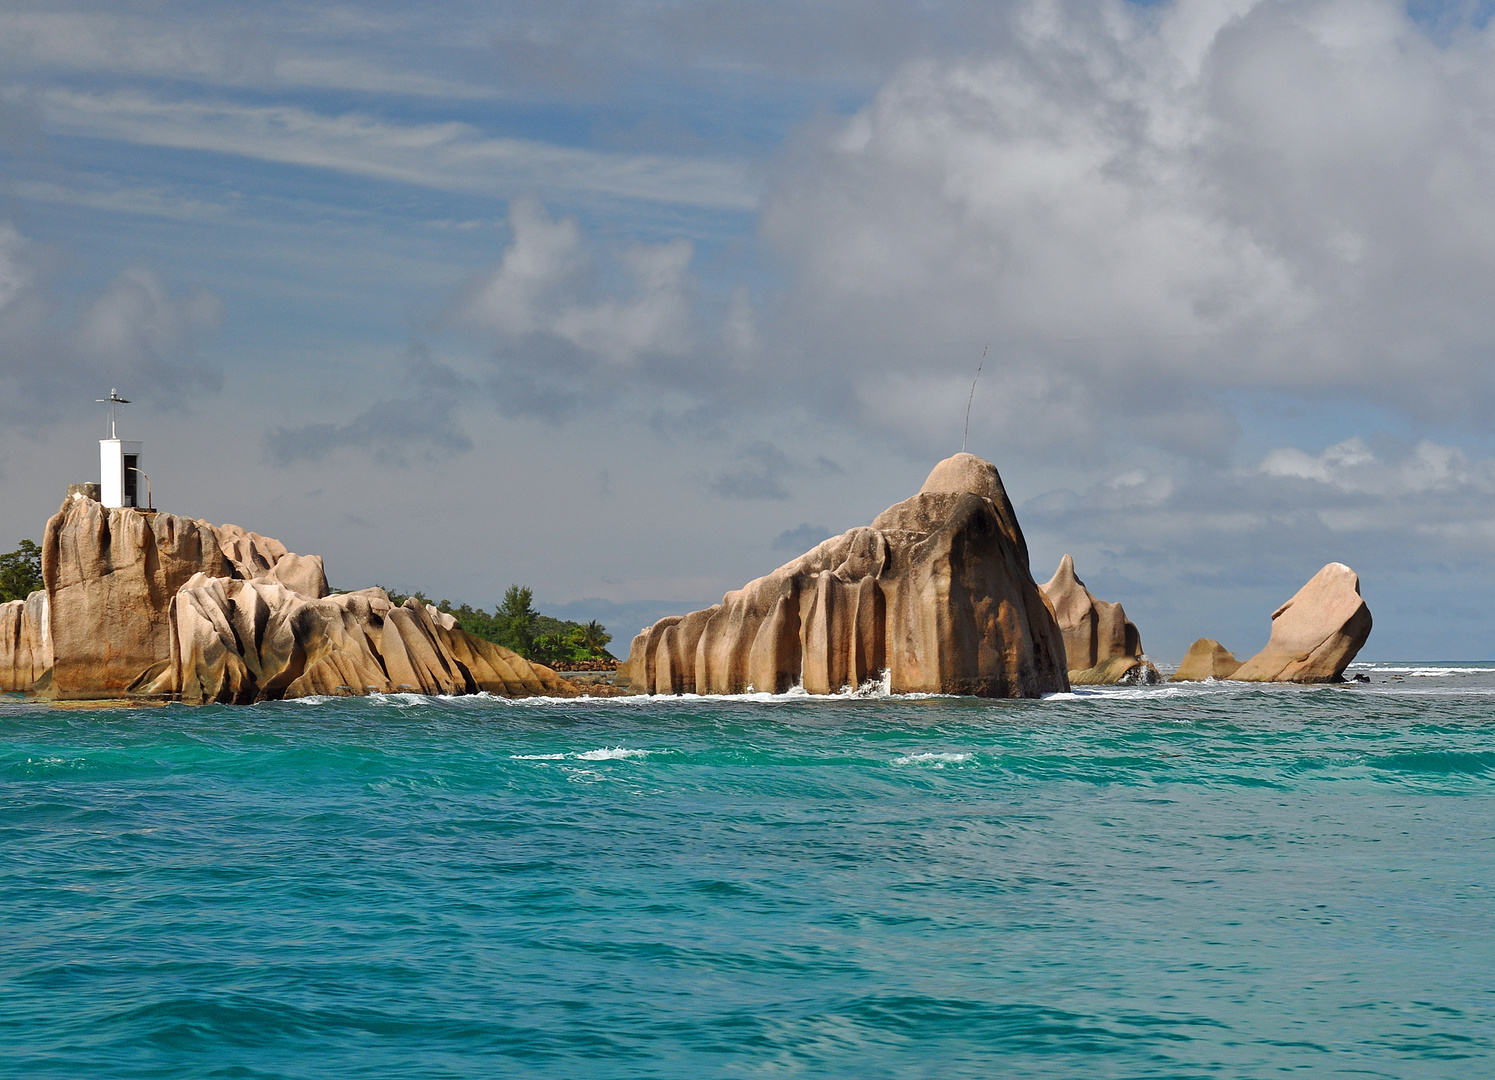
(25, 642)
(142, 603)
(257, 556)
(110, 575)
(1206, 659)
(244, 641)
(1316, 634)
(936, 592)
(1100, 645)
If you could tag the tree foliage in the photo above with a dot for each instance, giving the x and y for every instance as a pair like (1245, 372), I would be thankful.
(20, 572)
(515, 624)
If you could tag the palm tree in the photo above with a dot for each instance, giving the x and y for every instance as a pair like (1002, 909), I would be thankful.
(595, 636)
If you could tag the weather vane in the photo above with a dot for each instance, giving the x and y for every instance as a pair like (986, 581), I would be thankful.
(113, 401)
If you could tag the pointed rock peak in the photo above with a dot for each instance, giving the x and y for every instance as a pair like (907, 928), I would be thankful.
(966, 473)
(1064, 577)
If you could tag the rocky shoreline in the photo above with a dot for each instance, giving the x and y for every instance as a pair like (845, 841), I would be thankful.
(934, 596)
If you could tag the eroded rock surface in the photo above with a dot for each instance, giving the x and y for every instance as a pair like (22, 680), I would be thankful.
(1100, 645)
(1206, 659)
(110, 575)
(156, 604)
(1316, 634)
(25, 642)
(937, 592)
(245, 641)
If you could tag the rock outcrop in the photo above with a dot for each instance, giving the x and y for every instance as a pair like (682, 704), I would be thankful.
(110, 575)
(1206, 659)
(1316, 634)
(936, 592)
(238, 642)
(256, 556)
(1100, 645)
(141, 603)
(25, 642)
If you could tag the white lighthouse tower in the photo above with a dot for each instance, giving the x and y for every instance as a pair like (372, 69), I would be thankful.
(119, 462)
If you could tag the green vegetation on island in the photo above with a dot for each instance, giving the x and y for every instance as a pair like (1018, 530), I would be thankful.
(515, 624)
(20, 572)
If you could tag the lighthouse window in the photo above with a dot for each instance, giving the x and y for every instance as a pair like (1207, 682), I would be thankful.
(130, 475)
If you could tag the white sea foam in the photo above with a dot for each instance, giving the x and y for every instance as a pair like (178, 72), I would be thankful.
(537, 757)
(938, 759)
(615, 754)
(1417, 671)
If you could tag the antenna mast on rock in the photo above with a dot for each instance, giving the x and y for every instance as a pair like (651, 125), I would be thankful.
(966, 434)
(114, 401)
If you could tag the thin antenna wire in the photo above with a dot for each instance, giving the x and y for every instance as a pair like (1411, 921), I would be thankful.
(970, 399)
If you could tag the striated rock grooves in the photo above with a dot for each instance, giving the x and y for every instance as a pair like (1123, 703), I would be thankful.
(155, 604)
(244, 641)
(25, 642)
(937, 592)
(1100, 645)
(110, 576)
(1316, 634)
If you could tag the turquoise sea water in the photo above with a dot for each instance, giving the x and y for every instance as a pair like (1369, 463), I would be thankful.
(1171, 882)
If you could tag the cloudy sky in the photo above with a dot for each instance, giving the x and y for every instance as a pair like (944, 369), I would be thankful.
(632, 301)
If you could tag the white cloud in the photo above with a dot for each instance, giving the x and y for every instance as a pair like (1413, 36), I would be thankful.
(449, 156)
(136, 333)
(1197, 198)
(136, 323)
(1352, 467)
(540, 287)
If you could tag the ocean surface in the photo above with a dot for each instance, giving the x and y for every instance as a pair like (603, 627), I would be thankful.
(1202, 881)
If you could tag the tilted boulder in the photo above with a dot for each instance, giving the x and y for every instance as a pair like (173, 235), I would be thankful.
(1100, 645)
(937, 592)
(25, 642)
(1206, 659)
(1316, 634)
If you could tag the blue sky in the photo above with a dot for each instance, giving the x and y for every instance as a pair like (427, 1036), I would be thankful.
(623, 300)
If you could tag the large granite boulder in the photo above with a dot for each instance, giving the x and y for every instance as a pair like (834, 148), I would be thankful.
(936, 592)
(1100, 645)
(1316, 634)
(25, 642)
(241, 641)
(110, 575)
(1206, 659)
(140, 603)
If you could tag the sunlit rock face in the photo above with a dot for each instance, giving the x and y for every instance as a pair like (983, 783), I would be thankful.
(158, 605)
(110, 575)
(25, 642)
(1316, 634)
(238, 642)
(1100, 645)
(1206, 659)
(936, 593)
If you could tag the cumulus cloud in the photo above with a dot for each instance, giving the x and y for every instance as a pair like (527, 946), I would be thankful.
(571, 323)
(1386, 508)
(136, 334)
(1145, 208)
(536, 290)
